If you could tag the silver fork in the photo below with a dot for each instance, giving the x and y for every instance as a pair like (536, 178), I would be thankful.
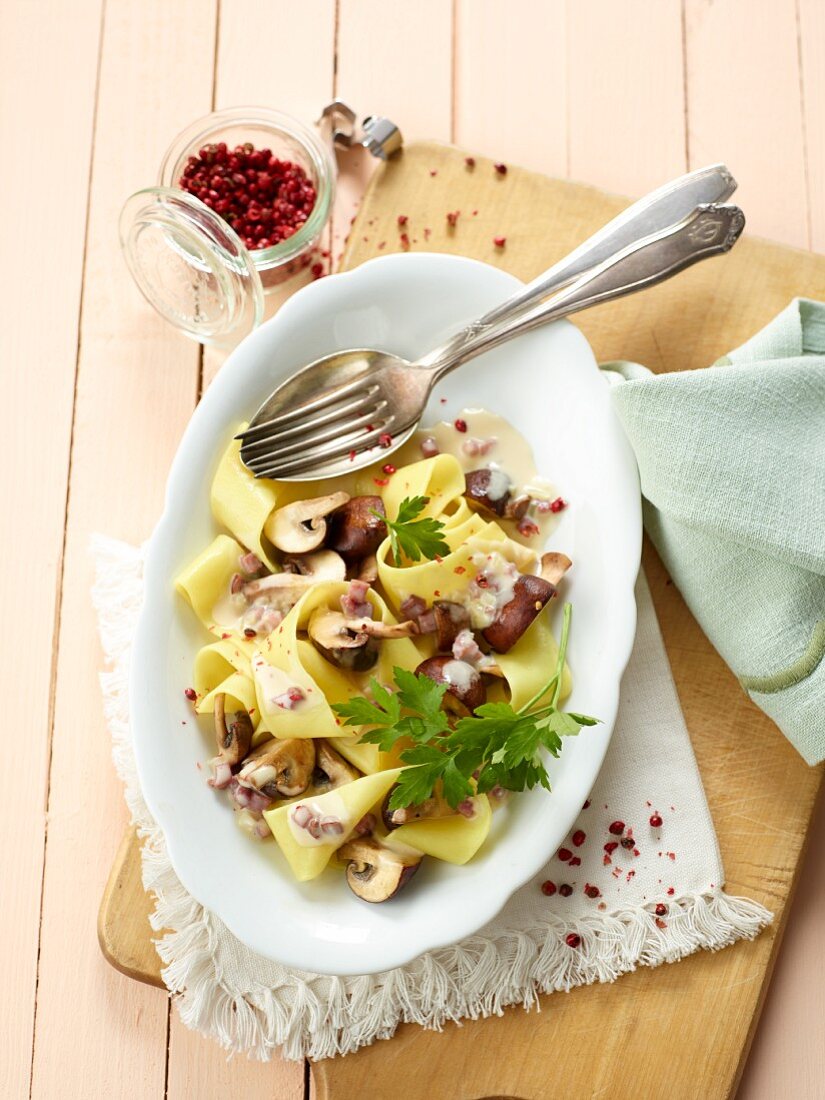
(329, 418)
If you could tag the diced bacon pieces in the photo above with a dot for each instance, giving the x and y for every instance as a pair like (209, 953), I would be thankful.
(354, 602)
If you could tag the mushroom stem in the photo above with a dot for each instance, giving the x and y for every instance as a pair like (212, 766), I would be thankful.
(554, 566)
(233, 742)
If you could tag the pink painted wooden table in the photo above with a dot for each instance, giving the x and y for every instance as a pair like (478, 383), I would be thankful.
(619, 93)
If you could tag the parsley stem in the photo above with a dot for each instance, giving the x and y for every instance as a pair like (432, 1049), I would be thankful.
(556, 678)
(565, 634)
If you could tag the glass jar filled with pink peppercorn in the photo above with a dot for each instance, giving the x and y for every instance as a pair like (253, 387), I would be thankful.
(243, 199)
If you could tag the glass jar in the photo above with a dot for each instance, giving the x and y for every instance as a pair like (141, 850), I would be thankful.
(188, 262)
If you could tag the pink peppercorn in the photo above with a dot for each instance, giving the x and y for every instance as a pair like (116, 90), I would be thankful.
(548, 888)
(564, 854)
(616, 828)
(572, 940)
(499, 242)
(661, 909)
(592, 891)
(656, 821)
(565, 890)
(190, 694)
(460, 425)
(501, 169)
(579, 837)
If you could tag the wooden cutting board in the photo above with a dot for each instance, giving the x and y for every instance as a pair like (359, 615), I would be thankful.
(679, 1030)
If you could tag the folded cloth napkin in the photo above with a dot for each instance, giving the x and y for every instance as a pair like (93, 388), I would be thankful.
(732, 467)
(593, 913)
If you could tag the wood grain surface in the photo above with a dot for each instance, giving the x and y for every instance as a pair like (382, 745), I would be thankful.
(96, 89)
(751, 775)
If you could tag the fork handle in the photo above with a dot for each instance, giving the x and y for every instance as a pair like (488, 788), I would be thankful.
(662, 208)
(709, 231)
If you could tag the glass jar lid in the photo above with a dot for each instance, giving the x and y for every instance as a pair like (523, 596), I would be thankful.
(191, 265)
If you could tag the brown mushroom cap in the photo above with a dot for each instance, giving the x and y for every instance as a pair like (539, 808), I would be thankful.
(339, 643)
(465, 687)
(280, 768)
(450, 619)
(233, 740)
(301, 526)
(331, 769)
(354, 532)
(530, 594)
(375, 872)
(430, 808)
(488, 489)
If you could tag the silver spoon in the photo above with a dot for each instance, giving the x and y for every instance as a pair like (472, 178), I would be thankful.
(369, 402)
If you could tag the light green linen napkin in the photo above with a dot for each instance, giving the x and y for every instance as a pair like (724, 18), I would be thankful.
(732, 467)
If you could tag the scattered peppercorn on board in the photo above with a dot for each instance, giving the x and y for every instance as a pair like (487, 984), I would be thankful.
(616, 1039)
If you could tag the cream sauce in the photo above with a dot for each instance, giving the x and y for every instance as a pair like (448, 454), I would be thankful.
(271, 684)
(333, 808)
(460, 675)
(486, 601)
(507, 452)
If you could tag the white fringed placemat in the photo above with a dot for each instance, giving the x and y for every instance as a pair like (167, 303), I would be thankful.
(598, 909)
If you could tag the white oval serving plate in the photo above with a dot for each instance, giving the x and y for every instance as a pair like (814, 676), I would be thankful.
(548, 385)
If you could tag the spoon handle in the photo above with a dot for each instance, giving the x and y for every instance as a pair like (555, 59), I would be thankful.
(660, 209)
(709, 231)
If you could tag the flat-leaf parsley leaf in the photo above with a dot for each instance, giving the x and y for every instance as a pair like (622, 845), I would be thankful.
(496, 746)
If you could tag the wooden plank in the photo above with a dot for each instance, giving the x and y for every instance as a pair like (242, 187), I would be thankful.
(396, 60)
(43, 235)
(136, 386)
(626, 94)
(744, 107)
(711, 1000)
(786, 1058)
(511, 87)
(299, 84)
(413, 92)
(811, 42)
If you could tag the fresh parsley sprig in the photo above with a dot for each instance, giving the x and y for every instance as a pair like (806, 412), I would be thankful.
(415, 538)
(498, 745)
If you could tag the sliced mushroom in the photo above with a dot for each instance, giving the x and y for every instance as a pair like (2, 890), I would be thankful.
(430, 808)
(516, 509)
(450, 619)
(465, 687)
(322, 565)
(530, 594)
(488, 489)
(233, 742)
(375, 872)
(368, 570)
(374, 628)
(354, 530)
(342, 646)
(289, 586)
(331, 769)
(280, 768)
(554, 566)
(302, 526)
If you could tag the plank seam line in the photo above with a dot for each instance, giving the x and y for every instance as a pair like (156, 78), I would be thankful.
(685, 84)
(58, 595)
(568, 91)
(453, 70)
(804, 121)
(213, 101)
